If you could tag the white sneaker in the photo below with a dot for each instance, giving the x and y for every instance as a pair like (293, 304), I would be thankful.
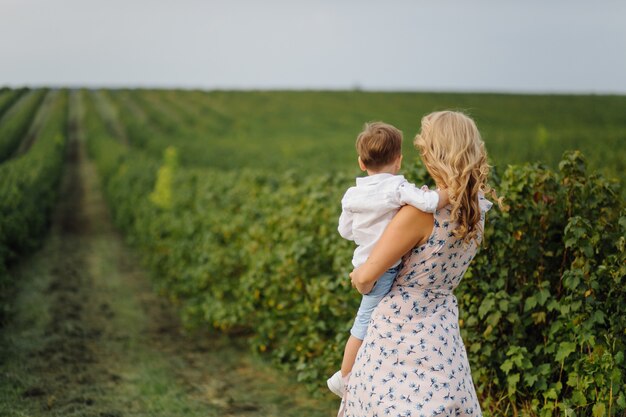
(335, 384)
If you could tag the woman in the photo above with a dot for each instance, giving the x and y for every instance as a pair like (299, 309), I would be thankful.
(413, 361)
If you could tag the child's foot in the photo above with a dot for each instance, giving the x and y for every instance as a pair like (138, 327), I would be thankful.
(335, 384)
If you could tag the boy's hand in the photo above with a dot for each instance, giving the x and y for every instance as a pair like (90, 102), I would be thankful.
(363, 288)
(444, 199)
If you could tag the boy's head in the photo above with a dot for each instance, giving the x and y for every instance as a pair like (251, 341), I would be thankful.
(379, 145)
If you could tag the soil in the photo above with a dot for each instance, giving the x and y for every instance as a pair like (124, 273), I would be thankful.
(87, 335)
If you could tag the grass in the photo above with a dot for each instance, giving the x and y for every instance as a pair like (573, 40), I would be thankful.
(315, 131)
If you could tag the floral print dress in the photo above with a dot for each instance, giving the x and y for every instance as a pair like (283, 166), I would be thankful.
(413, 361)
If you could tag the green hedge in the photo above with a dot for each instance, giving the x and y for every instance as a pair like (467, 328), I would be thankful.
(542, 304)
(29, 187)
(17, 120)
(257, 252)
(8, 97)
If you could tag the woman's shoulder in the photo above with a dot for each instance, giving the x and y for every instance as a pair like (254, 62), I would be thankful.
(416, 222)
(417, 215)
(484, 204)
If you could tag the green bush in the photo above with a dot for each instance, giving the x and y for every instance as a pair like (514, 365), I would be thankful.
(542, 304)
(29, 187)
(8, 97)
(16, 122)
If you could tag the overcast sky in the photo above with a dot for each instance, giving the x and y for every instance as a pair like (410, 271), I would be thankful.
(478, 45)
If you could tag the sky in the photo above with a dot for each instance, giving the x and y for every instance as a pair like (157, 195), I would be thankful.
(533, 46)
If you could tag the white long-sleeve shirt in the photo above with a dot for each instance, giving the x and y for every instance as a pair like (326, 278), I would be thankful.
(367, 209)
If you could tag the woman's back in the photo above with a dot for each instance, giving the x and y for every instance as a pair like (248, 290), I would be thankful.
(413, 361)
(438, 265)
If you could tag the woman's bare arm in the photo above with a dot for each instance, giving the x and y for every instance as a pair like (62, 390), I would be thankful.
(409, 227)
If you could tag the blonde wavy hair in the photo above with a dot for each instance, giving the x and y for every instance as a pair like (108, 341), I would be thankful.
(454, 155)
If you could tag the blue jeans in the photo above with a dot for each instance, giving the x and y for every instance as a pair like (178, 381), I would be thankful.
(371, 300)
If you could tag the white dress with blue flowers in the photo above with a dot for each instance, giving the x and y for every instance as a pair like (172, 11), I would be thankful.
(413, 361)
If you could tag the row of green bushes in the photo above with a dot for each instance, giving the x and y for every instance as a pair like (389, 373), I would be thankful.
(17, 120)
(29, 187)
(316, 129)
(542, 304)
(8, 97)
(257, 252)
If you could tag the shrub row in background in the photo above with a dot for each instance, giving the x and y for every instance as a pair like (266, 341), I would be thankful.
(316, 129)
(17, 120)
(8, 97)
(29, 186)
(257, 252)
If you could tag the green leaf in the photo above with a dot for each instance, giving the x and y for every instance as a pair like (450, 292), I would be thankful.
(572, 379)
(565, 349)
(598, 316)
(578, 397)
(550, 394)
(494, 318)
(486, 306)
(530, 303)
(543, 296)
(512, 381)
(599, 410)
(530, 379)
(506, 366)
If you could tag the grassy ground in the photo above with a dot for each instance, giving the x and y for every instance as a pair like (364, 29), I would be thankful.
(88, 337)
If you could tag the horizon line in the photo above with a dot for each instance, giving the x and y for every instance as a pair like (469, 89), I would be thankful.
(356, 88)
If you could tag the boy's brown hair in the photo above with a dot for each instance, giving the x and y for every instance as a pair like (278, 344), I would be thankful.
(379, 144)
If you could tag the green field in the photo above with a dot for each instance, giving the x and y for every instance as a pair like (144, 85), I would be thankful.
(315, 131)
(231, 198)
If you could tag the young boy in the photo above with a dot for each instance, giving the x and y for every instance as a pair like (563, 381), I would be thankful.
(367, 209)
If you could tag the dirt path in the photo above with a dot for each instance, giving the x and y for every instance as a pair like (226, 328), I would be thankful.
(88, 337)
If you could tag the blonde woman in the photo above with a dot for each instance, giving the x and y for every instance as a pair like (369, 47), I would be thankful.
(413, 361)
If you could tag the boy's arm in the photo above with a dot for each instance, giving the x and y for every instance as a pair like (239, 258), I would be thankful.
(444, 198)
(408, 228)
(425, 200)
(345, 225)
